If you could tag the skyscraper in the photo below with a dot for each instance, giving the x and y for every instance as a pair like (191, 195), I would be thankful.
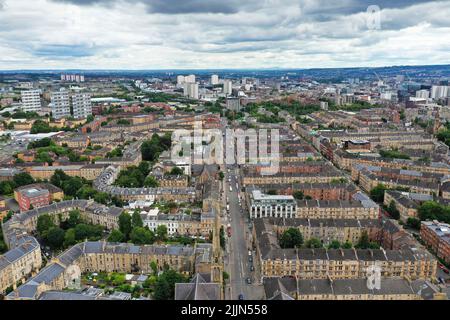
(423, 94)
(214, 79)
(31, 101)
(227, 87)
(191, 90)
(190, 78)
(60, 104)
(81, 105)
(438, 92)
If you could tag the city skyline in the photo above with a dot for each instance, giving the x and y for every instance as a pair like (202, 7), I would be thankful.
(154, 35)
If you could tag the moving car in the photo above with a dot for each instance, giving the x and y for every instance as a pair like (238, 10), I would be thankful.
(241, 297)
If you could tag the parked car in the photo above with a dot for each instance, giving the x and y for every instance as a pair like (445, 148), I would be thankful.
(241, 297)
(248, 280)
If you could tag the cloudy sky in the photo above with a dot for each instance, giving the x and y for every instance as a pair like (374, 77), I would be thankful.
(197, 34)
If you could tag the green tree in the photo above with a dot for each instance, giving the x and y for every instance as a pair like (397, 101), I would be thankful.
(165, 285)
(22, 179)
(151, 182)
(413, 223)
(55, 238)
(299, 195)
(140, 235)
(291, 238)
(334, 245)
(72, 186)
(69, 238)
(7, 187)
(176, 171)
(393, 211)
(313, 243)
(136, 220)
(125, 225)
(161, 233)
(74, 218)
(44, 224)
(377, 193)
(154, 267)
(363, 242)
(347, 245)
(116, 236)
(59, 177)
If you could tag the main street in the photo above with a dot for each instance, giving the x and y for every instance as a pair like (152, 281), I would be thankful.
(238, 245)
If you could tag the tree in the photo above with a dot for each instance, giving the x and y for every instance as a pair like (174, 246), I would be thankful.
(377, 193)
(313, 243)
(72, 186)
(291, 238)
(299, 195)
(144, 167)
(7, 187)
(165, 285)
(151, 182)
(74, 218)
(413, 223)
(347, 245)
(140, 235)
(221, 175)
(125, 224)
(59, 177)
(116, 236)
(393, 211)
(176, 171)
(87, 231)
(44, 224)
(154, 267)
(136, 220)
(22, 179)
(431, 210)
(334, 245)
(363, 242)
(69, 238)
(161, 233)
(55, 238)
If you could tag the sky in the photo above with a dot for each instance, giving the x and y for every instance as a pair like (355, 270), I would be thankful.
(222, 34)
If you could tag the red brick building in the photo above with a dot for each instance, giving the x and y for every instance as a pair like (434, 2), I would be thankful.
(36, 197)
(437, 236)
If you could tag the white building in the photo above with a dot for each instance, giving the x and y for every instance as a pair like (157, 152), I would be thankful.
(60, 104)
(438, 92)
(278, 206)
(227, 87)
(423, 94)
(31, 101)
(81, 104)
(72, 77)
(191, 90)
(214, 79)
(190, 78)
(180, 80)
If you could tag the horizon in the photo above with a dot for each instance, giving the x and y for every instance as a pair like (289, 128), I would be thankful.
(225, 69)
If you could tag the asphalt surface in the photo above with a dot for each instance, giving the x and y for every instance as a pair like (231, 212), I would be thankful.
(237, 262)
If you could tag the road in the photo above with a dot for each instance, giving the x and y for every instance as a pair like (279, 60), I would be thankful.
(238, 245)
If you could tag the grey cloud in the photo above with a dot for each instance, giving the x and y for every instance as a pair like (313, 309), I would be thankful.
(64, 51)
